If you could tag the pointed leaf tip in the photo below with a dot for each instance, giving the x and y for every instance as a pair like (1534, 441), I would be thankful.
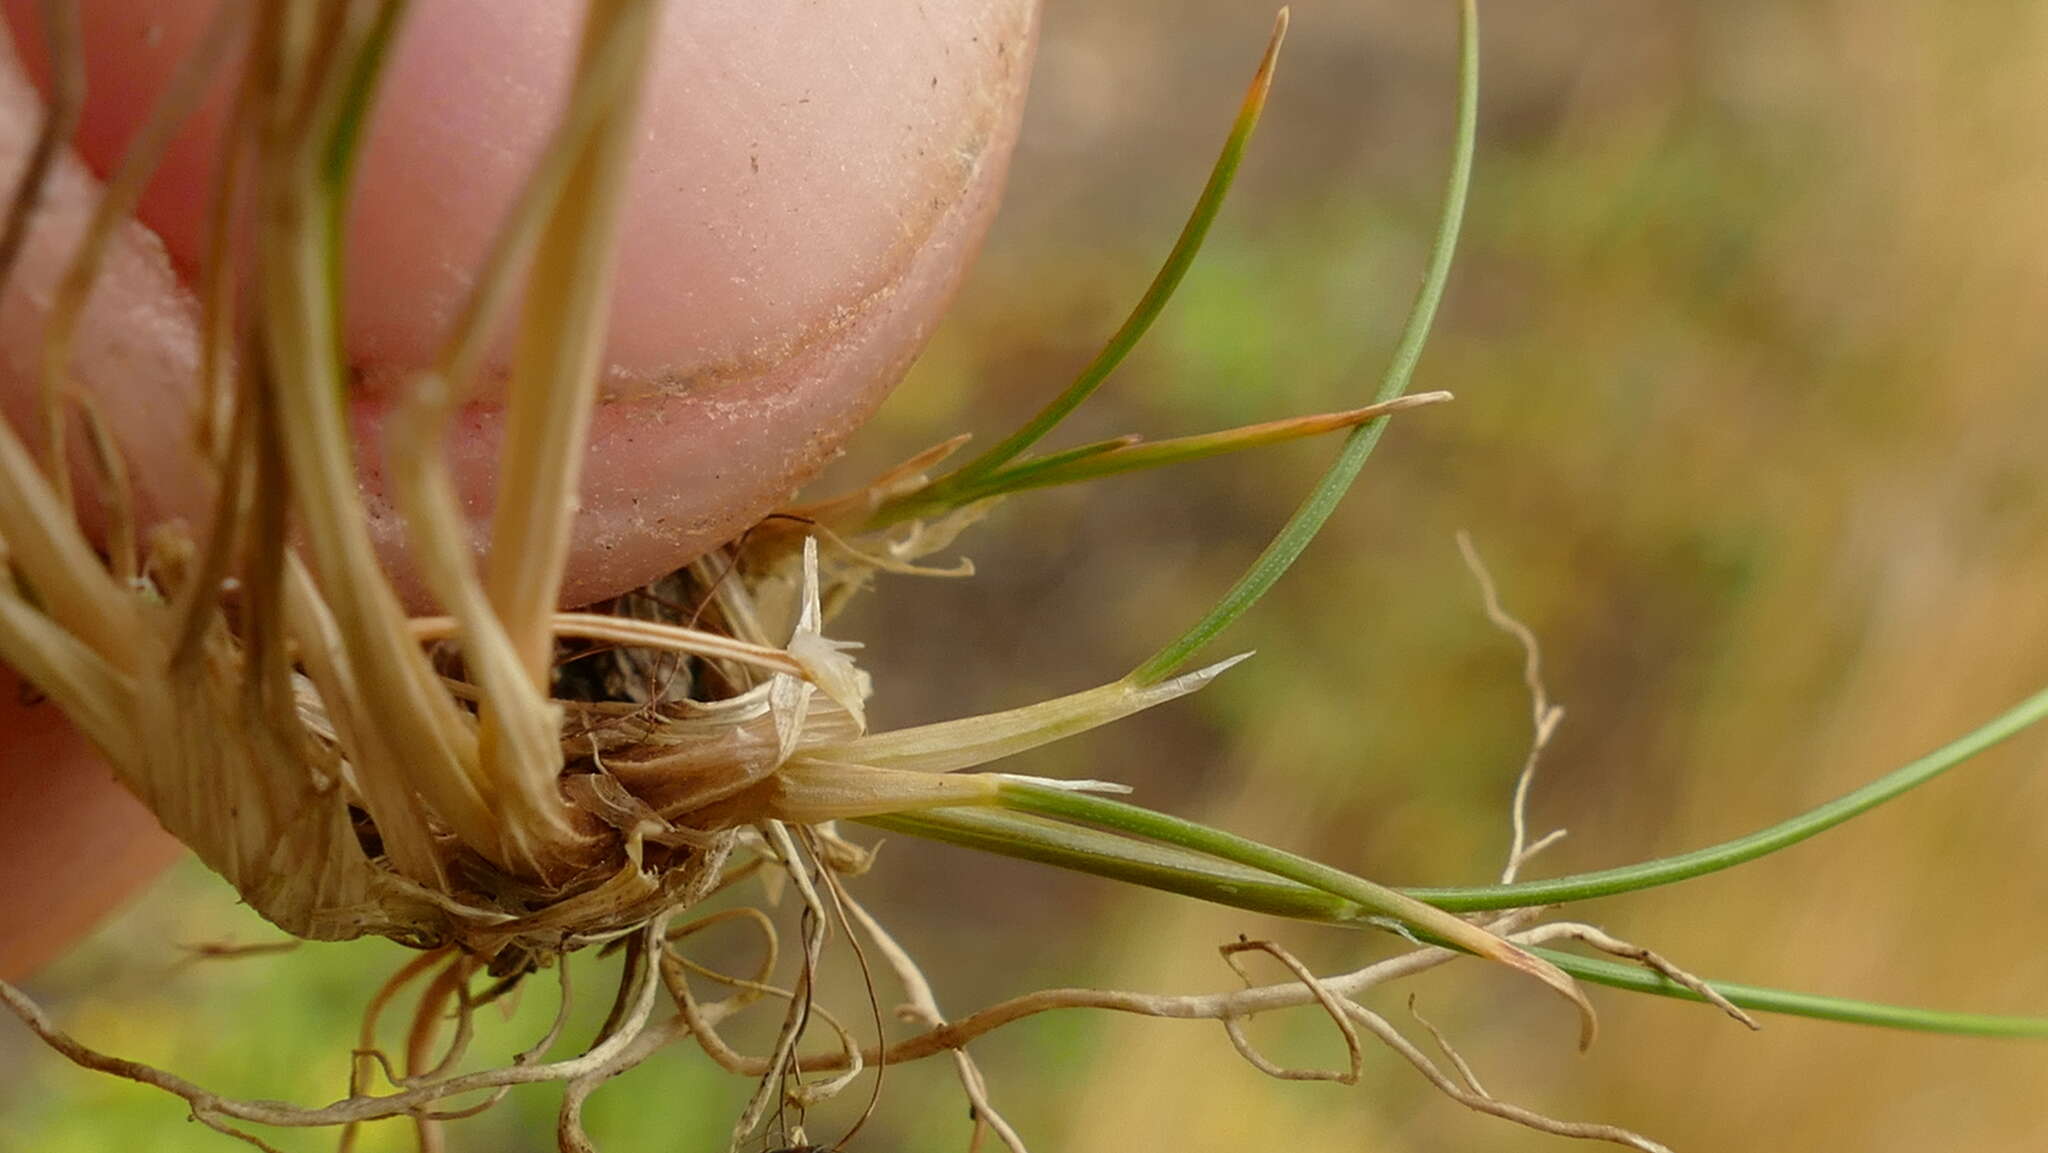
(1069, 786)
(1280, 22)
(1189, 682)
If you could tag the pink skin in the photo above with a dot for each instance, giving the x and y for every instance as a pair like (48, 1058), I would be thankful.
(812, 183)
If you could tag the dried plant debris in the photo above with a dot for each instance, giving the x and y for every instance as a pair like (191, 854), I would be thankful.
(504, 784)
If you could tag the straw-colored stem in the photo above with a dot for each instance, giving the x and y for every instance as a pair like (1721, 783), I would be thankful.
(116, 203)
(62, 106)
(297, 358)
(213, 423)
(519, 751)
(555, 368)
(634, 633)
(67, 577)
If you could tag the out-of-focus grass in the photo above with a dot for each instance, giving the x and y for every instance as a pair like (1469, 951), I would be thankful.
(1747, 340)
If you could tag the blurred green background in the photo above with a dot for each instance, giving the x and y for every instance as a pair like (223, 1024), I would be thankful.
(1748, 342)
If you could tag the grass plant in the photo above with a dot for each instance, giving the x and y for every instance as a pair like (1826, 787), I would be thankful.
(462, 784)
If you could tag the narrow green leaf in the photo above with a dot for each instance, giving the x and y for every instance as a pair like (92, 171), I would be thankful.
(1063, 804)
(932, 500)
(1165, 867)
(1714, 858)
(1133, 454)
(1163, 284)
(1763, 999)
(1093, 851)
(1309, 518)
(1556, 890)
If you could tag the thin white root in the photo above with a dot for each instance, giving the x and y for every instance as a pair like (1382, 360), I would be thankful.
(630, 1037)
(1492, 1106)
(923, 1009)
(1655, 962)
(783, 1061)
(1543, 716)
(640, 987)
(1450, 1052)
(1234, 1026)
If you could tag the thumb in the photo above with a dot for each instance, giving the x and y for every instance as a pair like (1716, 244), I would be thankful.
(811, 184)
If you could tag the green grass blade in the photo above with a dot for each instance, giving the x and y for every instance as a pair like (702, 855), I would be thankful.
(1063, 459)
(1189, 835)
(1727, 854)
(1309, 518)
(1182, 449)
(939, 499)
(1102, 854)
(1162, 288)
(1763, 999)
(1133, 454)
(1161, 867)
(1060, 804)
(1041, 800)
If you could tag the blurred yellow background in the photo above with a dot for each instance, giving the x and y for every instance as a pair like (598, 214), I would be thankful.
(1747, 334)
